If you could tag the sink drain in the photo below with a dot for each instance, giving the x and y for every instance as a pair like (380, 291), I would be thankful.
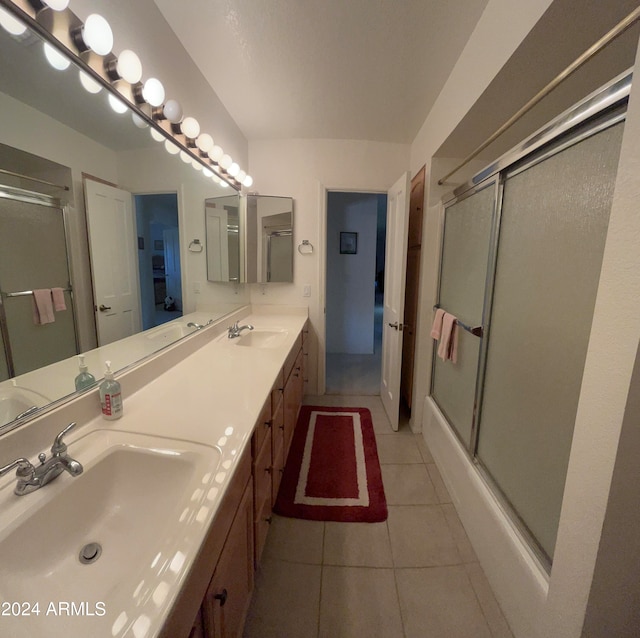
(90, 553)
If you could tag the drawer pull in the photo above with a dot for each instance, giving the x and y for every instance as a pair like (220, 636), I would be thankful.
(222, 597)
(282, 427)
(268, 519)
(268, 470)
(268, 423)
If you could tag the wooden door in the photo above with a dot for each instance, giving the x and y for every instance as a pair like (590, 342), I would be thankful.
(416, 206)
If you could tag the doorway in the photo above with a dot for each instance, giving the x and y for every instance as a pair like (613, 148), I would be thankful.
(356, 238)
(158, 258)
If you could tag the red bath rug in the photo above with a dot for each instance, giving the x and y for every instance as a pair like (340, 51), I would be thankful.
(333, 472)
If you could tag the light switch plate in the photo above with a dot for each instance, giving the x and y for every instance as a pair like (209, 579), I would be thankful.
(197, 287)
(306, 290)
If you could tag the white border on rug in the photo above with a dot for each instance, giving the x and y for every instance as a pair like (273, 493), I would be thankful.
(363, 490)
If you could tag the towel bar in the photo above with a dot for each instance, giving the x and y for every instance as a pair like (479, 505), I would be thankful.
(476, 331)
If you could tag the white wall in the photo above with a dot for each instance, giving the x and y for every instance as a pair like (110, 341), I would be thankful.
(351, 278)
(304, 169)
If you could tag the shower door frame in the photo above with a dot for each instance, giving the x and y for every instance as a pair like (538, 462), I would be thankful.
(600, 110)
(39, 199)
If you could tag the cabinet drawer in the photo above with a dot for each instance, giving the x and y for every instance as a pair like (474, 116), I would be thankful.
(262, 524)
(292, 356)
(262, 427)
(277, 391)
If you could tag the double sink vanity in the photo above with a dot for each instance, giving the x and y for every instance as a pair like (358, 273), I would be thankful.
(160, 530)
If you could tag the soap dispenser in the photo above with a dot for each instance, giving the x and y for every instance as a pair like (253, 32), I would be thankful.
(84, 379)
(110, 395)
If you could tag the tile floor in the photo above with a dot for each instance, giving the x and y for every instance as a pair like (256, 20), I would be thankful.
(413, 576)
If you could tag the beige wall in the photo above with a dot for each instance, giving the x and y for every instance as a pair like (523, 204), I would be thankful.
(304, 169)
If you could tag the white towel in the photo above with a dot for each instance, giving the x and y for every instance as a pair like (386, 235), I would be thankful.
(42, 307)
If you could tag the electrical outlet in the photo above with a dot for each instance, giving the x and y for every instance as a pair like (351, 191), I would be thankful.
(197, 287)
(306, 290)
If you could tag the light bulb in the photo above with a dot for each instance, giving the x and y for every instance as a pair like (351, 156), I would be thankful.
(57, 5)
(223, 183)
(55, 58)
(240, 176)
(225, 161)
(207, 173)
(117, 104)
(89, 84)
(129, 67)
(247, 181)
(153, 92)
(171, 148)
(172, 111)
(138, 121)
(190, 127)
(216, 153)
(185, 157)
(97, 34)
(196, 164)
(10, 23)
(204, 142)
(157, 135)
(234, 169)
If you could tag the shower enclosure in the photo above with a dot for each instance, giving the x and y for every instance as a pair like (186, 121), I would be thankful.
(33, 255)
(521, 256)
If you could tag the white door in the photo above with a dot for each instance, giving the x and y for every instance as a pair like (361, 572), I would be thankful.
(394, 285)
(171, 239)
(217, 244)
(114, 261)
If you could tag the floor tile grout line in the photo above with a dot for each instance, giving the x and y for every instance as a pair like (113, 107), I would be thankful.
(475, 593)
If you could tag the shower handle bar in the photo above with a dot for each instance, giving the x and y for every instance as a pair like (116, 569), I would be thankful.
(476, 331)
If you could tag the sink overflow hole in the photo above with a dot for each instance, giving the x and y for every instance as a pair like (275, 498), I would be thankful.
(90, 553)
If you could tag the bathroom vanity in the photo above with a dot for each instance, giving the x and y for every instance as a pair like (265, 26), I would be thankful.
(177, 494)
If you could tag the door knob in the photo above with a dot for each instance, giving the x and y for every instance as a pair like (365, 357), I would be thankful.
(394, 325)
(104, 308)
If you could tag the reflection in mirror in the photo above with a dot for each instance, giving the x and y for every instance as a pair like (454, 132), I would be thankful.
(222, 222)
(60, 135)
(269, 239)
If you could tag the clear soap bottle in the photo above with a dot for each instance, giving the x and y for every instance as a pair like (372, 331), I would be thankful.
(84, 379)
(110, 395)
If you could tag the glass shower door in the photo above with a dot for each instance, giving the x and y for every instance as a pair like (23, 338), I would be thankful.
(553, 227)
(465, 258)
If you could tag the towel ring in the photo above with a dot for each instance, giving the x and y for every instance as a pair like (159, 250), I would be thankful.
(305, 248)
(195, 246)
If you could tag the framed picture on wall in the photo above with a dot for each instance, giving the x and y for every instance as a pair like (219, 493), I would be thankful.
(348, 243)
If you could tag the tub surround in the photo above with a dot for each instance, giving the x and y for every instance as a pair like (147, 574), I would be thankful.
(204, 394)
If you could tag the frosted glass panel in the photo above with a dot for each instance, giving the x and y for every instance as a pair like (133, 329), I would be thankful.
(553, 229)
(467, 234)
(33, 255)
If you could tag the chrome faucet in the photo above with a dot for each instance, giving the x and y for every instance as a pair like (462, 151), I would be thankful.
(235, 330)
(199, 326)
(31, 478)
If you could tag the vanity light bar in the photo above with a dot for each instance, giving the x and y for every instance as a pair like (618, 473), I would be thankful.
(90, 45)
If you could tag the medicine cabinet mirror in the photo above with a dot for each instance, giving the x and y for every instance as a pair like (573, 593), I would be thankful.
(222, 222)
(269, 239)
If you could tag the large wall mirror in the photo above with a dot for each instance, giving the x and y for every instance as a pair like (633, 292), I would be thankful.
(82, 153)
(269, 239)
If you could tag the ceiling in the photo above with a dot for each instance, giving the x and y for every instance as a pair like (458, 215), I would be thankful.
(335, 69)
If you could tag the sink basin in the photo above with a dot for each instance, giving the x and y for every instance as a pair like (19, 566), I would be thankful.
(14, 400)
(170, 333)
(139, 498)
(261, 339)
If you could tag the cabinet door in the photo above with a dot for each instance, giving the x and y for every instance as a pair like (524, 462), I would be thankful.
(227, 599)
(262, 473)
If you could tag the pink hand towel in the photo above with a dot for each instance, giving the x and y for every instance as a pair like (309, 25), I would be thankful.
(42, 307)
(436, 328)
(58, 299)
(448, 348)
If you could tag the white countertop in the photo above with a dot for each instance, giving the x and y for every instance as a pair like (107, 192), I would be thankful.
(212, 398)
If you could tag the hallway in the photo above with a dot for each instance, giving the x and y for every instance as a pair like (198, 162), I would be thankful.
(415, 575)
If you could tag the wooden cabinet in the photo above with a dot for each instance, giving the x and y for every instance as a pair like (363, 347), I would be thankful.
(235, 541)
(227, 599)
